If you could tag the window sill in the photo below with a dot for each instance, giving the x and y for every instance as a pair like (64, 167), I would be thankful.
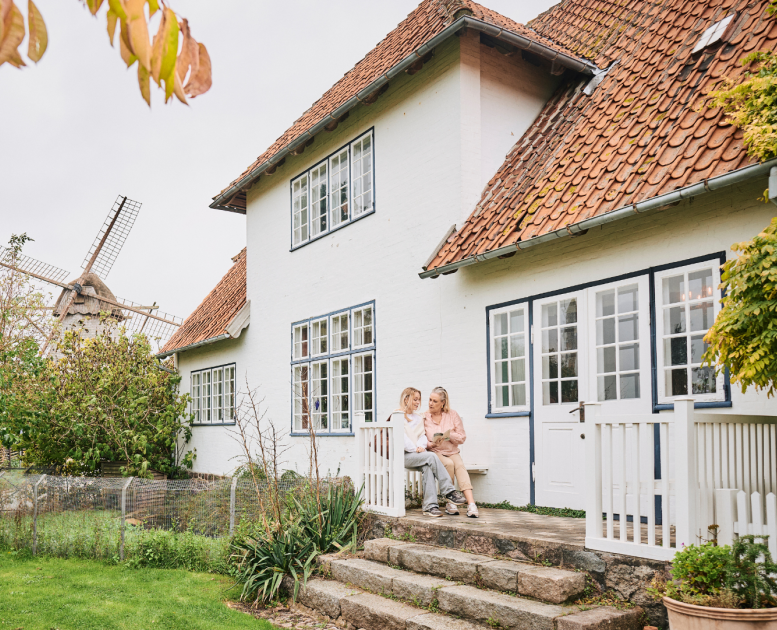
(307, 435)
(709, 404)
(213, 424)
(509, 414)
(332, 231)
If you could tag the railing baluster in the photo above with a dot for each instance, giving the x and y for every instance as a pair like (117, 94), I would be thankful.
(663, 433)
(609, 483)
(635, 430)
(622, 485)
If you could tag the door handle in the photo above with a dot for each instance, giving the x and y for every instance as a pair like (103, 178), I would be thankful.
(581, 409)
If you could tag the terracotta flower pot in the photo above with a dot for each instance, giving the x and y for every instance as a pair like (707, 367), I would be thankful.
(689, 617)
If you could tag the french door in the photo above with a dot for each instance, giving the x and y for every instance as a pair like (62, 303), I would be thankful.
(591, 345)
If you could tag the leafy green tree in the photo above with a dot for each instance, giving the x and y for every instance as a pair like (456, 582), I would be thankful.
(744, 336)
(105, 399)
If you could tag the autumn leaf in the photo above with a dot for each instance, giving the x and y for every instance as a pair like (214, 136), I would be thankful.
(39, 39)
(13, 33)
(117, 8)
(138, 31)
(178, 90)
(145, 87)
(112, 17)
(200, 82)
(124, 47)
(94, 6)
(190, 53)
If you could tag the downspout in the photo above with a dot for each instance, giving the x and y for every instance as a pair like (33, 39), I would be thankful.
(466, 21)
(654, 203)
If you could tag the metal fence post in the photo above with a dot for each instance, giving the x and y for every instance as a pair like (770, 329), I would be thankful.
(232, 506)
(123, 514)
(35, 515)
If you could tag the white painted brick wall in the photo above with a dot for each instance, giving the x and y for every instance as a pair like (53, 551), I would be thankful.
(432, 332)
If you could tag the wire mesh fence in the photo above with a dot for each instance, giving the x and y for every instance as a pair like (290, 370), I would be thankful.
(92, 516)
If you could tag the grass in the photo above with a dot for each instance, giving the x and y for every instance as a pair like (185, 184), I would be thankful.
(95, 535)
(536, 509)
(57, 594)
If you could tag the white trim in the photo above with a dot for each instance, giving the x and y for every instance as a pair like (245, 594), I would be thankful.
(714, 297)
(494, 359)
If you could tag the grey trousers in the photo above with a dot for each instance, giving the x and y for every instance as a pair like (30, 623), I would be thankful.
(431, 468)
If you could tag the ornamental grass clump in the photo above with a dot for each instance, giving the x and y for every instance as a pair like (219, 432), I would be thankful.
(737, 576)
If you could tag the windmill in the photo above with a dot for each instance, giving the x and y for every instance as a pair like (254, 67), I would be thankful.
(87, 296)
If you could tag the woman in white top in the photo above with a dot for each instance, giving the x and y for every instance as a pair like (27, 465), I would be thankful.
(418, 458)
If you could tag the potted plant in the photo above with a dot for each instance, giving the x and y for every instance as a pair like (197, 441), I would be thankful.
(717, 588)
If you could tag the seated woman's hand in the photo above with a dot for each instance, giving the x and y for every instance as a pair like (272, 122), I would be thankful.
(420, 449)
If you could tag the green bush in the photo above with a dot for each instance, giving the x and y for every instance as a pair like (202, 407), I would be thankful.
(330, 520)
(741, 576)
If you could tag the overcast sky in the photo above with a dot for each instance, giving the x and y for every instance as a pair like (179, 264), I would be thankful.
(76, 132)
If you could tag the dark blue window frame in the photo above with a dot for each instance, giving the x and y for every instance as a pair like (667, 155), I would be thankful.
(351, 219)
(656, 407)
(334, 355)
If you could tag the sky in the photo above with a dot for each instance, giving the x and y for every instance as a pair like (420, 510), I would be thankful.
(76, 132)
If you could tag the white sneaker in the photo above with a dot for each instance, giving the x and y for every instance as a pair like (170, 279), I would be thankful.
(451, 509)
(472, 511)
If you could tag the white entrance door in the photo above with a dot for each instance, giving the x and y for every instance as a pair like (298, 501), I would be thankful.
(591, 345)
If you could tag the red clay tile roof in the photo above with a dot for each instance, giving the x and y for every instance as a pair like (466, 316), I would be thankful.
(427, 20)
(216, 311)
(639, 135)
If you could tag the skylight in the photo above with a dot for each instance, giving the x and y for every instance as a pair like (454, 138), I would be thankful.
(712, 34)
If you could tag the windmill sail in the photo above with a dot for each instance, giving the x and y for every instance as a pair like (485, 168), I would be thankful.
(117, 237)
(35, 268)
(158, 328)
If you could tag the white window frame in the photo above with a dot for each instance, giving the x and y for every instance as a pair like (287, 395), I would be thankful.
(349, 354)
(319, 406)
(663, 397)
(209, 405)
(305, 218)
(300, 392)
(495, 407)
(356, 394)
(356, 329)
(316, 337)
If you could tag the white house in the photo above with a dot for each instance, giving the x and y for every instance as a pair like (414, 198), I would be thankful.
(391, 243)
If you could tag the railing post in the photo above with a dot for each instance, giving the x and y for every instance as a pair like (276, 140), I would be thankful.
(398, 474)
(232, 506)
(358, 436)
(35, 515)
(123, 515)
(593, 471)
(686, 482)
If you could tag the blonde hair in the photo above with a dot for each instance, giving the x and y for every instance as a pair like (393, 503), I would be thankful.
(406, 399)
(446, 405)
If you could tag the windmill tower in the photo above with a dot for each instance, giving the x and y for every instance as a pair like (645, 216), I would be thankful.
(84, 299)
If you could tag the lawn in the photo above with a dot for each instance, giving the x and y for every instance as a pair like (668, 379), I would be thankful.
(53, 593)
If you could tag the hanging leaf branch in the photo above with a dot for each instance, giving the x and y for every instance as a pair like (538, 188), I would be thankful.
(172, 59)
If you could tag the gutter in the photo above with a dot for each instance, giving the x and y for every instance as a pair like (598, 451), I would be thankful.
(467, 21)
(654, 203)
(191, 346)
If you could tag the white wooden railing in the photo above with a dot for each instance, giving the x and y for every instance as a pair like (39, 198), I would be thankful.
(701, 454)
(380, 464)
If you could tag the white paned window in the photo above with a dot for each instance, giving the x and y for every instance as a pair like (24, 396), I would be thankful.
(195, 394)
(559, 352)
(318, 199)
(334, 192)
(338, 182)
(509, 367)
(617, 343)
(300, 210)
(340, 332)
(300, 334)
(337, 377)
(218, 394)
(361, 160)
(341, 410)
(301, 395)
(319, 338)
(320, 395)
(213, 395)
(364, 385)
(686, 307)
(362, 327)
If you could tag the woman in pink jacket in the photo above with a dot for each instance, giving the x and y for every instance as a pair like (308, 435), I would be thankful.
(439, 420)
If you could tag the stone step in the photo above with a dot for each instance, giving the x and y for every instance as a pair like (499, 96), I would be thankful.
(468, 608)
(548, 584)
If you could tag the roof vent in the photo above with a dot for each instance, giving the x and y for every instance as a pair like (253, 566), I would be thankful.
(597, 78)
(713, 34)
